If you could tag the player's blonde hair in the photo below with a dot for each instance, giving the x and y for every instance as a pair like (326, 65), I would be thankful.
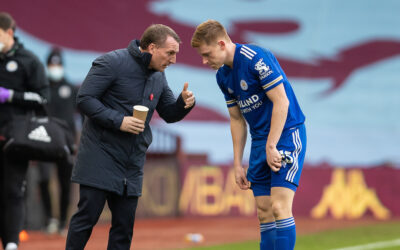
(208, 32)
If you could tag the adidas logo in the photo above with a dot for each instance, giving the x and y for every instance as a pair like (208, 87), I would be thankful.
(39, 134)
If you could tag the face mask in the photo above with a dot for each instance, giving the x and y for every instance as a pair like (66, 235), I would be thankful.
(2, 45)
(56, 73)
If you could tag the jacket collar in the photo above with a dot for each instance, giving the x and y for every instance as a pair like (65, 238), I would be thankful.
(143, 58)
(13, 49)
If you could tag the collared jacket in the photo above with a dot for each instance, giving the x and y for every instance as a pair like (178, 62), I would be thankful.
(108, 158)
(23, 73)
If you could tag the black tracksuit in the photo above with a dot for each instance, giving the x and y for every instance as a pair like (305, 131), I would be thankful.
(22, 72)
(62, 105)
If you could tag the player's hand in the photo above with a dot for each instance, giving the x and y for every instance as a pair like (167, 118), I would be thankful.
(132, 125)
(274, 159)
(188, 96)
(240, 178)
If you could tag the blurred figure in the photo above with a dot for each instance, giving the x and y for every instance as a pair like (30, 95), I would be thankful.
(61, 105)
(23, 88)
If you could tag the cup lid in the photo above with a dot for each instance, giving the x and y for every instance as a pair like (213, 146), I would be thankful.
(141, 108)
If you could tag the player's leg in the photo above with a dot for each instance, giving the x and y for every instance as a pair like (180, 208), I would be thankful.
(284, 184)
(14, 202)
(267, 222)
(64, 171)
(90, 205)
(44, 175)
(123, 211)
(2, 200)
(282, 200)
(259, 175)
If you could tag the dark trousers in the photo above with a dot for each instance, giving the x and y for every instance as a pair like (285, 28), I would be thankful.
(12, 198)
(64, 170)
(90, 206)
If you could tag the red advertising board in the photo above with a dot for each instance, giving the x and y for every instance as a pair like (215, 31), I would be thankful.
(325, 191)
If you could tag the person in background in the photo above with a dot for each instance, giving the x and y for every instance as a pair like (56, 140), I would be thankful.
(62, 105)
(23, 88)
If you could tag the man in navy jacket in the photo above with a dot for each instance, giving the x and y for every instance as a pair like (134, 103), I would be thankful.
(113, 144)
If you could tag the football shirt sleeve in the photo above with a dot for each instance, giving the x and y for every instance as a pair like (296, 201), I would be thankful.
(230, 100)
(266, 69)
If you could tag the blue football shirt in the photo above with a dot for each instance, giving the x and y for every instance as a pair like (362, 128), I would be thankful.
(256, 71)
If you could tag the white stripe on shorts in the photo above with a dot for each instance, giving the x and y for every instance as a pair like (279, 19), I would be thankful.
(295, 167)
(296, 138)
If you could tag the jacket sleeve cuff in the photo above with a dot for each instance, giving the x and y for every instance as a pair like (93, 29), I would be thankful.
(10, 97)
(118, 121)
(181, 104)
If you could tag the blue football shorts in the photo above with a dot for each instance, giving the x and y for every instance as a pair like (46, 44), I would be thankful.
(293, 144)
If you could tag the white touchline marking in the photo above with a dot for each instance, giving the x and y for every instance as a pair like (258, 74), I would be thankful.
(375, 245)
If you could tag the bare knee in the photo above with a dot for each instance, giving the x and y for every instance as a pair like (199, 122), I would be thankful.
(265, 214)
(282, 200)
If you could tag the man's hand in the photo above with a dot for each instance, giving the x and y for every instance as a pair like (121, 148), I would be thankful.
(274, 158)
(187, 96)
(241, 179)
(132, 125)
(4, 95)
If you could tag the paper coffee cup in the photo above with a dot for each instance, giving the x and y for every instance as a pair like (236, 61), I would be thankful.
(140, 112)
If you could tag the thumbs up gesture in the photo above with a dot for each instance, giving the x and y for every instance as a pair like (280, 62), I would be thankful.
(188, 96)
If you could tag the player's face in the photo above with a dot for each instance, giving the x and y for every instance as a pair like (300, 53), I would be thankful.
(5, 39)
(213, 55)
(164, 55)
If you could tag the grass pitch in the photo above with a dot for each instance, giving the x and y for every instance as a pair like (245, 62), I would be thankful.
(388, 236)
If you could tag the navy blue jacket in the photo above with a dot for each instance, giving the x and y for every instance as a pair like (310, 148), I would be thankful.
(108, 158)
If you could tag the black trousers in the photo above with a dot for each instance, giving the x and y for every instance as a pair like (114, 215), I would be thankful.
(12, 198)
(64, 170)
(90, 206)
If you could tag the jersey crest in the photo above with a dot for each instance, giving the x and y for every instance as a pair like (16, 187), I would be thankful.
(243, 85)
(12, 66)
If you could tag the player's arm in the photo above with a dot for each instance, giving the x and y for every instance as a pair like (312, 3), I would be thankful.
(280, 108)
(239, 136)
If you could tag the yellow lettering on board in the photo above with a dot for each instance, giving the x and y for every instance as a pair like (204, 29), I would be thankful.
(351, 199)
(187, 198)
(162, 202)
(209, 192)
(206, 192)
(235, 197)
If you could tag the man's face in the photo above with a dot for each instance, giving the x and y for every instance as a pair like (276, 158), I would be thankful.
(164, 55)
(5, 39)
(213, 55)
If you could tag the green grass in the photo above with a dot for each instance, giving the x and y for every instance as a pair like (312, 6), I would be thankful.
(330, 239)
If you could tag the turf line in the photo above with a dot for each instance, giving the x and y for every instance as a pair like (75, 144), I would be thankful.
(375, 245)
